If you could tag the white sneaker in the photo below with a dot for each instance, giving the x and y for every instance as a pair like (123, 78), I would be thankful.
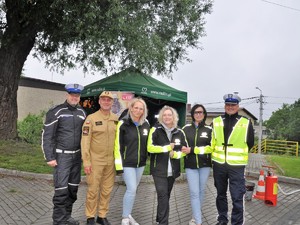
(132, 220)
(125, 221)
(192, 222)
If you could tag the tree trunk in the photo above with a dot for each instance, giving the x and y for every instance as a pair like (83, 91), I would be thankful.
(16, 44)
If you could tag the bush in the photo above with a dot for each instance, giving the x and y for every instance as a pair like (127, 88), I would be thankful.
(30, 128)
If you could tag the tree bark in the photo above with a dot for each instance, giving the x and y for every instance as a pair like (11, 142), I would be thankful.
(16, 44)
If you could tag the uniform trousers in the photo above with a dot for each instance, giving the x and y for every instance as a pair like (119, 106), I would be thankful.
(100, 185)
(163, 186)
(236, 176)
(66, 176)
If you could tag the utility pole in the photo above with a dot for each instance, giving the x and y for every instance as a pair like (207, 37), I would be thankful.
(260, 119)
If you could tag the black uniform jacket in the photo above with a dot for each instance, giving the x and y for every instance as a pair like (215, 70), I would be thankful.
(200, 137)
(62, 129)
(132, 142)
(159, 147)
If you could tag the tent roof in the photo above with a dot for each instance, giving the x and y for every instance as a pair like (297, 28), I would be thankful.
(132, 80)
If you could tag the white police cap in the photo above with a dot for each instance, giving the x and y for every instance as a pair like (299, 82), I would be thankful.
(74, 88)
(233, 99)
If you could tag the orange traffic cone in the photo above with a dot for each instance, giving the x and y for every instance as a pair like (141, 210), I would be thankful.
(260, 191)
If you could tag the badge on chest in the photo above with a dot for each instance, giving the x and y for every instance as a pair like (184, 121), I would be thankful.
(98, 123)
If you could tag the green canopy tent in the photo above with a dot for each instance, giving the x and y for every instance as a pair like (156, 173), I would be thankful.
(155, 93)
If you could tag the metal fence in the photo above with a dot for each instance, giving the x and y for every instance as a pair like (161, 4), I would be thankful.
(278, 147)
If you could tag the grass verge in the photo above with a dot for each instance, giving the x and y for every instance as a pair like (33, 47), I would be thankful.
(18, 155)
(289, 165)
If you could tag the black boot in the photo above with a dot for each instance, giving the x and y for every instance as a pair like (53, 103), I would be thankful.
(102, 221)
(90, 221)
(221, 223)
(72, 221)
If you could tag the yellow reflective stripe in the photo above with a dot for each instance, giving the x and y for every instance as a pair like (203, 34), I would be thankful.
(117, 152)
(165, 148)
(178, 155)
(219, 148)
(199, 150)
(237, 150)
(118, 161)
(202, 150)
(236, 158)
(118, 164)
(219, 156)
(156, 148)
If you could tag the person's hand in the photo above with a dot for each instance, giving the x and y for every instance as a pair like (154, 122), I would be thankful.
(172, 145)
(186, 150)
(87, 170)
(171, 154)
(52, 163)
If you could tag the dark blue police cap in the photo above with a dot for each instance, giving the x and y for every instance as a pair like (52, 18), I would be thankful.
(74, 88)
(233, 99)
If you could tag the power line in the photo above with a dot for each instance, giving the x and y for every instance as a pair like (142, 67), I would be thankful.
(282, 97)
(284, 6)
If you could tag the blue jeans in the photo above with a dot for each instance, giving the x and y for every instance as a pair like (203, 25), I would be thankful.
(132, 177)
(197, 179)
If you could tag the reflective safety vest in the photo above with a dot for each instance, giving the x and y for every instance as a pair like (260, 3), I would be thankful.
(237, 149)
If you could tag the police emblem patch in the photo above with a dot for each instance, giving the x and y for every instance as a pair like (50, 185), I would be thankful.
(145, 132)
(177, 141)
(203, 135)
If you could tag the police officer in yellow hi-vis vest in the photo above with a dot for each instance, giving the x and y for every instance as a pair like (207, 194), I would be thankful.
(97, 143)
(232, 138)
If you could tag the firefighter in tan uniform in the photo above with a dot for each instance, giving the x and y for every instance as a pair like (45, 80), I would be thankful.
(97, 143)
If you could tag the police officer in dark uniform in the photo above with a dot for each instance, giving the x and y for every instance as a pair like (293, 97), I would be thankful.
(233, 137)
(61, 146)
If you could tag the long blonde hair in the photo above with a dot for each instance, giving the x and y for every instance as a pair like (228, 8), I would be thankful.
(132, 103)
(174, 113)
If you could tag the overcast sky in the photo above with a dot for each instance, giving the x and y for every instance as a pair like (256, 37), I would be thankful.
(249, 44)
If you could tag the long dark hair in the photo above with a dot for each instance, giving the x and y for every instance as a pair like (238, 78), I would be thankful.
(194, 109)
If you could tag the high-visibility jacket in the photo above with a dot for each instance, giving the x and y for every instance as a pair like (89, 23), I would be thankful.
(199, 139)
(158, 146)
(131, 144)
(235, 152)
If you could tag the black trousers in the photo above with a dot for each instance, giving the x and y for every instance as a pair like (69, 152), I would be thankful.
(236, 176)
(67, 175)
(163, 186)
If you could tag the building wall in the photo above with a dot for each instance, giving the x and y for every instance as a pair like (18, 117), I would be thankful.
(35, 96)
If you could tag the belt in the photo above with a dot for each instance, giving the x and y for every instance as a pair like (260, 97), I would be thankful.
(67, 151)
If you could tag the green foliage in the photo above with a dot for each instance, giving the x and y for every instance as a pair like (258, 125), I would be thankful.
(30, 128)
(284, 123)
(150, 35)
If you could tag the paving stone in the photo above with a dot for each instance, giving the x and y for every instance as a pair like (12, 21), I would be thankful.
(28, 200)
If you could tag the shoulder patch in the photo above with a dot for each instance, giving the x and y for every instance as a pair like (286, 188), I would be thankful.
(85, 130)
